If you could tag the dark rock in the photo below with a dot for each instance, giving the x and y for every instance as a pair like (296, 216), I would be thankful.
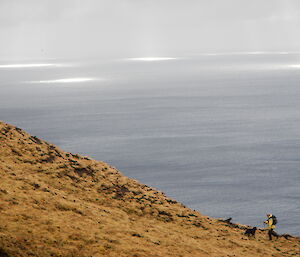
(137, 235)
(165, 213)
(121, 191)
(3, 253)
(36, 186)
(36, 140)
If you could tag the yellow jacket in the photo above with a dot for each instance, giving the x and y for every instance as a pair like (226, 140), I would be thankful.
(270, 224)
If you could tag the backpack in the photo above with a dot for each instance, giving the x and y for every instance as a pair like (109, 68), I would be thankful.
(274, 219)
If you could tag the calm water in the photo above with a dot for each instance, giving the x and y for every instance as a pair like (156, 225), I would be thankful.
(218, 133)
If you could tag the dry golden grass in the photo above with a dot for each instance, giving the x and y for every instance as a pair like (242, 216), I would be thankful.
(54, 203)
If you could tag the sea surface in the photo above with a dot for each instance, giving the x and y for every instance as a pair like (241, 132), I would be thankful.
(218, 132)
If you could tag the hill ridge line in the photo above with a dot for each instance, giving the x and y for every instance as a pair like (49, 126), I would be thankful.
(55, 203)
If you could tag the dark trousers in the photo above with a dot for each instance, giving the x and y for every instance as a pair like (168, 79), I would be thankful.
(271, 233)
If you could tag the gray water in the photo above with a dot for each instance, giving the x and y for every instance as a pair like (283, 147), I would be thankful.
(219, 133)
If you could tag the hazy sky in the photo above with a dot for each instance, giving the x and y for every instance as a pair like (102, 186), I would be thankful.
(133, 28)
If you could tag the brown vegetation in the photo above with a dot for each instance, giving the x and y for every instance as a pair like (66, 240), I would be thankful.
(54, 203)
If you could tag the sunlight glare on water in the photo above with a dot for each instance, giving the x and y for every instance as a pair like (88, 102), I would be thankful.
(29, 65)
(294, 66)
(152, 59)
(66, 80)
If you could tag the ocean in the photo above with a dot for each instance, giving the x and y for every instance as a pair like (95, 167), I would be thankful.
(217, 132)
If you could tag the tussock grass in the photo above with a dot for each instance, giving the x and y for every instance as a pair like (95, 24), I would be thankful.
(54, 203)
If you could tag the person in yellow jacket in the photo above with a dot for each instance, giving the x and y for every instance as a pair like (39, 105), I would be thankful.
(271, 226)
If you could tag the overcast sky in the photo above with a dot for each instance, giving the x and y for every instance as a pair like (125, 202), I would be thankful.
(133, 28)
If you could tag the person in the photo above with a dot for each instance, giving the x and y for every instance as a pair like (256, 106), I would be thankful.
(271, 222)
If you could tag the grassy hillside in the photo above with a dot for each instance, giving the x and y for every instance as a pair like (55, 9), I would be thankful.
(54, 203)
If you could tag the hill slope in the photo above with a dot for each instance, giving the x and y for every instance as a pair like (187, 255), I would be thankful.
(54, 203)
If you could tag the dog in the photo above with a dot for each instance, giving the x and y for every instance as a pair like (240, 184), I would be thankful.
(286, 236)
(250, 231)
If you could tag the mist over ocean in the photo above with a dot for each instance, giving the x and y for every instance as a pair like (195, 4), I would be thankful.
(218, 132)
